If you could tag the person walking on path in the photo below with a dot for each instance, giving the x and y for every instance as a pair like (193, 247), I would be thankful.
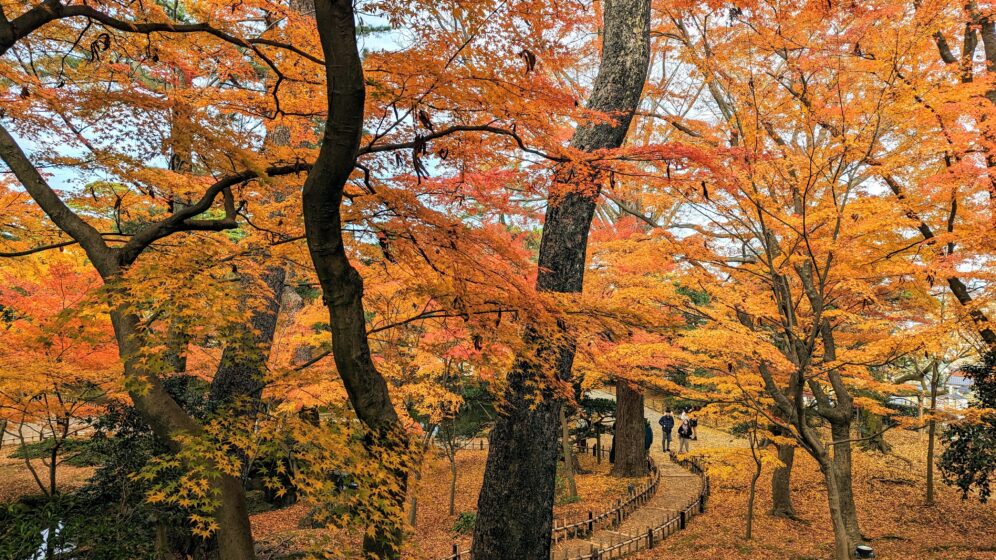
(684, 435)
(667, 424)
(648, 435)
(693, 423)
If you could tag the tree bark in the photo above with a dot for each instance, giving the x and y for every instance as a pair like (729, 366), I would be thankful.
(843, 544)
(841, 433)
(935, 380)
(781, 483)
(169, 420)
(243, 362)
(872, 428)
(453, 482)
(515, 506)
(342, 286)
(631, 454)
(752, 493)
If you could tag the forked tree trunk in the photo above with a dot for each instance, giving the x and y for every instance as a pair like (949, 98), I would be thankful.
(781, 483)
(156, 407)
(515, 507)
(631, 454)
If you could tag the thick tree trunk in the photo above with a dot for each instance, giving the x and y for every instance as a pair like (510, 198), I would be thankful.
(781, 483)
(515, 506)
(243, 362)
(342, 286)
(631, 454)
(514, 510)
(841, 432)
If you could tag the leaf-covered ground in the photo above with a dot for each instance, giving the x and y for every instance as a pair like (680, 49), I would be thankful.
(16, 480)
(433, 536)
(890, 496)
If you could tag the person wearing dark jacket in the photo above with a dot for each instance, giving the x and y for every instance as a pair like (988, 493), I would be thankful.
(684, 435)
(648, 435)
(667, 425)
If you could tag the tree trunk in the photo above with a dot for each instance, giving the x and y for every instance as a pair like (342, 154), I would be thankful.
(752, 494)
(342, 286)
(515, 506)
(169, 420)
(514, 510)
(234, 530)
(841, 432)
(413, 505)
(843, 544)
(935, 380)
(631, 454)
(781, 483)
(871, 428)
(598, 443)
(565, 443)
(241, 372)
(453, 482)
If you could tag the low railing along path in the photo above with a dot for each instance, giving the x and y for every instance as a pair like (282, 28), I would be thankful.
(677, 492)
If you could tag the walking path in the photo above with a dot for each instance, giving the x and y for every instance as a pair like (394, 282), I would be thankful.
(678, 486)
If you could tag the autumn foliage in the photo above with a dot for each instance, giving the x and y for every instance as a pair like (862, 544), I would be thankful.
(333, 222)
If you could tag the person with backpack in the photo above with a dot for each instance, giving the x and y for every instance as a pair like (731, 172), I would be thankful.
(693, 422)
(684, 436)
(667, 424)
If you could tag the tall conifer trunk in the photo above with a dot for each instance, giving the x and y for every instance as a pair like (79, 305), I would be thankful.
(515, 507)
(631, 454)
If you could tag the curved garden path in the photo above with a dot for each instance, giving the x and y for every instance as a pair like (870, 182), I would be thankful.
(678, 487)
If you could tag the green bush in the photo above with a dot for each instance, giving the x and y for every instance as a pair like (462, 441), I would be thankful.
(465, 523)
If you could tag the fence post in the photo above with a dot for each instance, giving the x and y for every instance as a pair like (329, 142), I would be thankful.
(591, 524)
(681, 520)
(701, 504)
(456, 551)
(650, 537)
(482, 444)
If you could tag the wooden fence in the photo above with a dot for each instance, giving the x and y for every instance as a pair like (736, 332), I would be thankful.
(658, 533)
(614, 517)
(564, 529)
